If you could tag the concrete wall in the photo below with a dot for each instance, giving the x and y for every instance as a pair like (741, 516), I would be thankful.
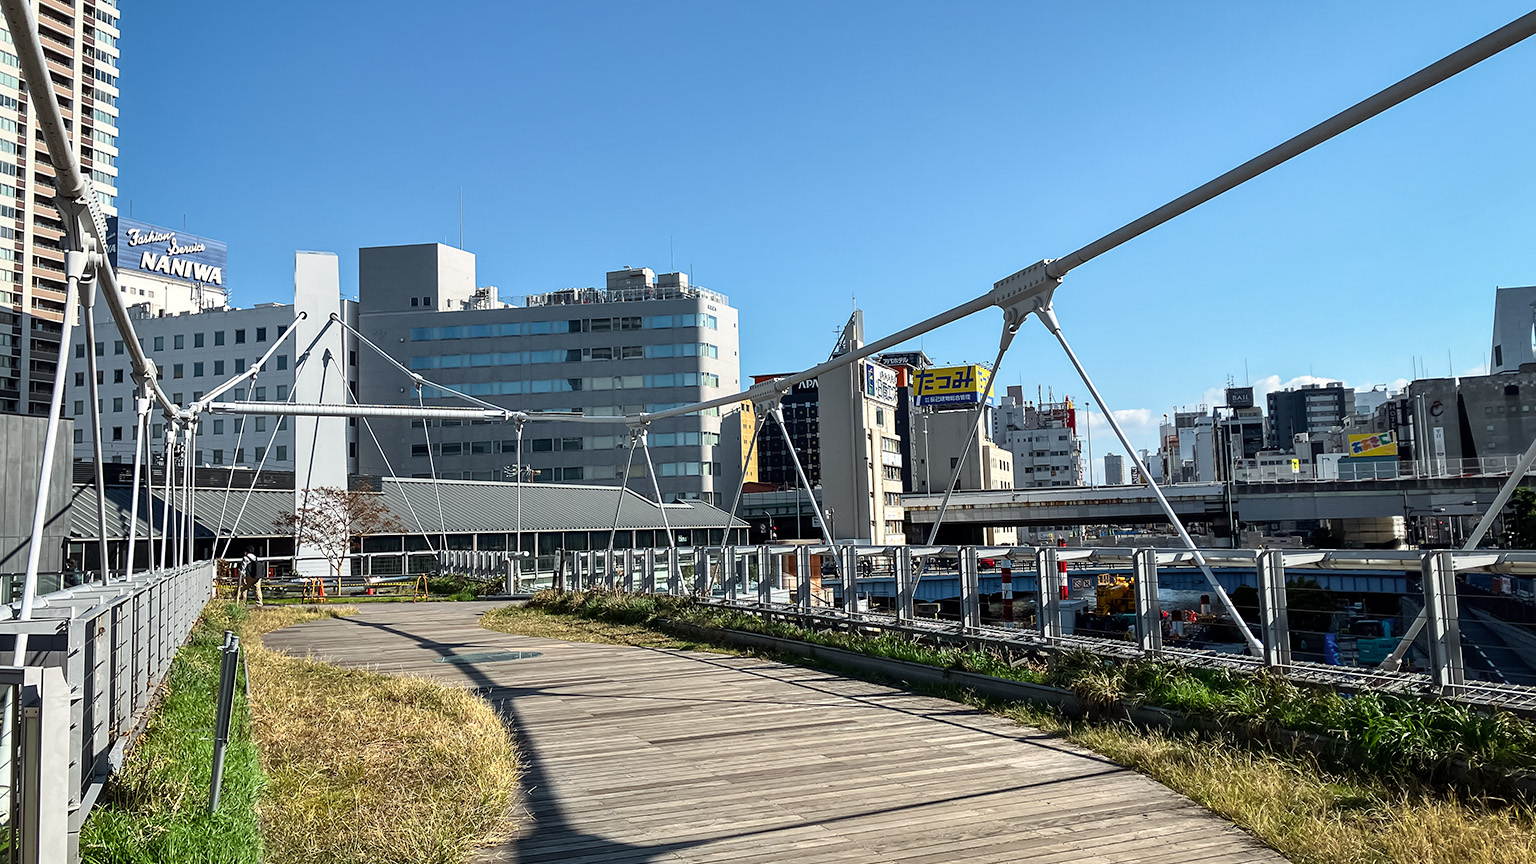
(21, 454)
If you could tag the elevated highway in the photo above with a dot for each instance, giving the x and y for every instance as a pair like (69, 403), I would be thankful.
(1208, 502)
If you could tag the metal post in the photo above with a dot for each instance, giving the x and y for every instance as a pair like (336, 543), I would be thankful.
(970, 587)
(674, 572)
(729, 575)
(518, 463)
(1048, 592)
(905, 589)
(777, 413)
(1007, 594)
(168, 458)
(850, 567)
(766, 562)
(1149, 612)
(1274, 628)
(1439, 573)
(88, 324)
(140, 408)
(803, 577)
(229, 656)
(41, 803)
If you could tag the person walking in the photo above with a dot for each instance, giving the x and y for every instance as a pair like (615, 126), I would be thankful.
(250, 575)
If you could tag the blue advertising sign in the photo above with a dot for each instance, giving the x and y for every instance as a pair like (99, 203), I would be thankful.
(139, 246)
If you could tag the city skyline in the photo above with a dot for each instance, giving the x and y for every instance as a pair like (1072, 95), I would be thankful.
(922, 184)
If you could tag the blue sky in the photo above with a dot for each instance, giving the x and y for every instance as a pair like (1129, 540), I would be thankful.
(795, 156)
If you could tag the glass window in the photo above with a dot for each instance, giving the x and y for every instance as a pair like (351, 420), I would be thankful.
(159, 344)
(176, 373)
(218, 337)
(117, 376)
(282, 451)
(117, 347)
(282, 361)
(261, 334)
(239, 337)
(218, 367)
(117, 404)
(197, 370)
(179, 341)
(197, 340)
(239, 365)
(218, 427)
(260, 394)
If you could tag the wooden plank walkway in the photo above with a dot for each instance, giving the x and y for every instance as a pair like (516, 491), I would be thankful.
(635, 755)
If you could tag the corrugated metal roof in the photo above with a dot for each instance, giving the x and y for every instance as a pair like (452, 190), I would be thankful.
(469, 507)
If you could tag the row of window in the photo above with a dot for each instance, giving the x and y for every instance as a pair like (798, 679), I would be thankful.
(553, 445)
(564, 355)
(179, 341)
(575, 385)
(574, 325)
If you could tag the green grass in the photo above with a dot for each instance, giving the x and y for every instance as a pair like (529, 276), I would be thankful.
(155, 809)
(1390, 735)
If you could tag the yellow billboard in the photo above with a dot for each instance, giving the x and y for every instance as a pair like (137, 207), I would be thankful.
(951, 385)
(1373, 444)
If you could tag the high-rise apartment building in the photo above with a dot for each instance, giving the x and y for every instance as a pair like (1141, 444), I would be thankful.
(643, 343)
(79, 41)
(1114, 469)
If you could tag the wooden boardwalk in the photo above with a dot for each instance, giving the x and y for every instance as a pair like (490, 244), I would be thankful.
(635, 755)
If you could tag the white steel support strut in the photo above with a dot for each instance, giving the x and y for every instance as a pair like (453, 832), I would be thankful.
(1048, 317)
(661, 506)
(618, 504)
(778, 417)
(45, 471)
(86, 290)
(140, 409)
(1010, 329)
(741, 483)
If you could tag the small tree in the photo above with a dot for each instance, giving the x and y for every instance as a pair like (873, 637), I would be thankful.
(333, 517)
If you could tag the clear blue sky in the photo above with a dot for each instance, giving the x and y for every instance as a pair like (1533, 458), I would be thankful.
(795, 155)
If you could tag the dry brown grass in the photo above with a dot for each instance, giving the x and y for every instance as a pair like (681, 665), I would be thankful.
(1310, 815)
(365, 767)
(1307, 813)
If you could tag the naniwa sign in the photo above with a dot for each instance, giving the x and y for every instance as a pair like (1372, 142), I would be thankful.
(136, 246)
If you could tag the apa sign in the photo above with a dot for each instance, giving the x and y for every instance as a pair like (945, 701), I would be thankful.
(134, 245)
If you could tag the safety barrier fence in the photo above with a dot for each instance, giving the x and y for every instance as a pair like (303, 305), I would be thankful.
(1043, 613)
(95, 657)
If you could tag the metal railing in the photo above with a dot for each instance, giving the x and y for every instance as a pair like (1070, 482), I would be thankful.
(1046, 612)
(113, 647)
(1307, 472)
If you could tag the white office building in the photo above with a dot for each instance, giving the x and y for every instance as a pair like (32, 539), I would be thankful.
(642, 343)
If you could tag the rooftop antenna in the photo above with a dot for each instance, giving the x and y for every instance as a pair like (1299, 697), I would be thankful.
(461, 217)
(671, 257)
(1247, 382)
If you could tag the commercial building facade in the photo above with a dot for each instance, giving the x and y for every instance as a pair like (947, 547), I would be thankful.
(1311, 408)
(644, 343)
(80, 41)
(194, 353)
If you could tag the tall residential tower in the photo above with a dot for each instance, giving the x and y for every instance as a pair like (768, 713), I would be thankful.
(79, 41)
